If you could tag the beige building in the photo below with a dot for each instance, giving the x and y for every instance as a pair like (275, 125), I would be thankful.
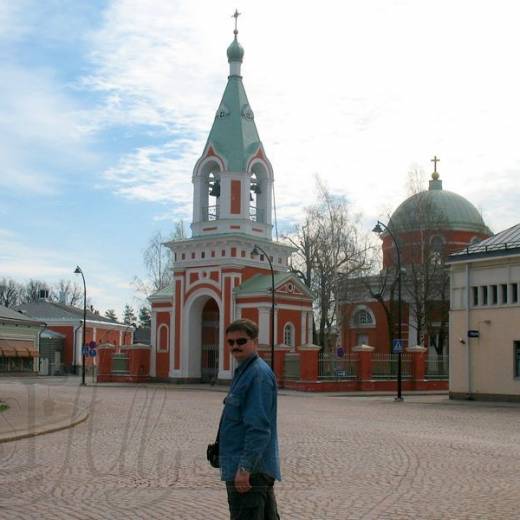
(485, 319)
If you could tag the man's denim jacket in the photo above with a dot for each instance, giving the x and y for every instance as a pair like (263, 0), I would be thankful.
(248, 434)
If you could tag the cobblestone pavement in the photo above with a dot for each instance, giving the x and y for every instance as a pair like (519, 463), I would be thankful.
(141, 454)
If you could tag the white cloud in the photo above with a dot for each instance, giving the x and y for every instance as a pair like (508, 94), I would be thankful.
(352, 91)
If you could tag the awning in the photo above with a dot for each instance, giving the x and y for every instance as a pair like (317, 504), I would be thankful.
(17, 348)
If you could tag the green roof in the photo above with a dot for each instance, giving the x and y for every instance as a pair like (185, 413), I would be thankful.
(445, 210)
(263, 283)
(233, 134)
(165, 292)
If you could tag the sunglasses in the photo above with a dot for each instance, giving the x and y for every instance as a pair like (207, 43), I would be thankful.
(238, 341)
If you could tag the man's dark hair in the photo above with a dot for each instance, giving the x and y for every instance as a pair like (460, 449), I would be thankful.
(243, 325)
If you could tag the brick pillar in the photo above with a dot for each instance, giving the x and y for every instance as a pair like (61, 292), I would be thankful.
(104, 354)
(308, 361)
(264, 351)
(138, 363)
(418, 366)
(365, 367)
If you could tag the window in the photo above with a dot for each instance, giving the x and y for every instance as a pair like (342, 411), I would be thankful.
(516, 350)
(484, 295)
(475, 296)
(494, 294)
(503, 290)
(363, 318)
(202, 254)
(288, 334)
(514, 293)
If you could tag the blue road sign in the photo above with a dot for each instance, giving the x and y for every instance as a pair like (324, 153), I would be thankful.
(84, 350)
(92, 352)
(340, 352)
(397, 346)
(473, 334)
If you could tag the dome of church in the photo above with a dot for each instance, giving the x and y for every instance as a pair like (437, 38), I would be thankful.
(436, 208)
(235, 52)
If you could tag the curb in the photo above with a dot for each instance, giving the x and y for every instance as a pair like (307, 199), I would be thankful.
(42, 430)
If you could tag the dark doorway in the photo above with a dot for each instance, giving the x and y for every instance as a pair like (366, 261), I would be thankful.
(210, 342)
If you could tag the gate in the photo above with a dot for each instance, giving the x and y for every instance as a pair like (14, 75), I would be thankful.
(209, 363)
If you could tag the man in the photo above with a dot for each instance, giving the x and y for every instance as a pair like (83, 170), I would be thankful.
(248, 447)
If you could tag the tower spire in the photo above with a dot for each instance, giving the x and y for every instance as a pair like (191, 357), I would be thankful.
(235, 52)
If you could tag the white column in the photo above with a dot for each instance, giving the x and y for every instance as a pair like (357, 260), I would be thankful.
(303, 327)
(171, 343)
(263, 325)
(153, 339)
(309, 326)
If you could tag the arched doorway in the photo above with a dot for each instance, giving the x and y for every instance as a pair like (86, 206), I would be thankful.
(209, 342)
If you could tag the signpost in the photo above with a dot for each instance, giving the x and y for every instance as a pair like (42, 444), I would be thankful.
(340, 352)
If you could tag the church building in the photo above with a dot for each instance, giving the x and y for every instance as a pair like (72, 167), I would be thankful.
(421, 233)
(227, 269)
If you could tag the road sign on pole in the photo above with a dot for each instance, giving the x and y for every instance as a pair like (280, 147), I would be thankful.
(397, 346)
(84, 350)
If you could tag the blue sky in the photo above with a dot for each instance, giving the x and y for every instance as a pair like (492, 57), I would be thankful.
(105, 107)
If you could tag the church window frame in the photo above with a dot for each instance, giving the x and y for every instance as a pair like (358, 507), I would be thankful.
(289, 335)
(363, 318)
(160, 345)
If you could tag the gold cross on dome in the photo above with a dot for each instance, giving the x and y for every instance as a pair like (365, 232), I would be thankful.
(235, 16)
(435, 160)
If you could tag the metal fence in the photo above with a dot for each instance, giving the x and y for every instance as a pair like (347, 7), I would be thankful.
(332, 367)
(437, 367)
(384, 366)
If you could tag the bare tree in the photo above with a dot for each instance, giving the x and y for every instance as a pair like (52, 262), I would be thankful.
(67, 293)
(111, 314)
(158, 261)
(10, 292)
(328, 246)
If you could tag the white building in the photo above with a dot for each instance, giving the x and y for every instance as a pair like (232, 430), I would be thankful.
(485, 319)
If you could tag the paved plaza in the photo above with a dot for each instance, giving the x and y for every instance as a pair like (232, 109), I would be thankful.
(141, 454)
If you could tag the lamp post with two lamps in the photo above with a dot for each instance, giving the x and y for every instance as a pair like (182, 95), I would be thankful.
(256, 252)
(378, 228)
(79, 271)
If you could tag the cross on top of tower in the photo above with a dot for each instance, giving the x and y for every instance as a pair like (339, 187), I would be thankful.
(235, 15)
(435, 174)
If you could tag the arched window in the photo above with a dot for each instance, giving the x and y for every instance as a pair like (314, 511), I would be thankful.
(363, 318)
(288, 334)
(162, 338)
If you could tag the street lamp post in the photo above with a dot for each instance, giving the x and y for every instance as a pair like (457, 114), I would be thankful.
(379, 229)
(79, 271)
(255, 252)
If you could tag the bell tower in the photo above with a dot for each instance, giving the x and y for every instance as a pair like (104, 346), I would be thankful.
(233, 179)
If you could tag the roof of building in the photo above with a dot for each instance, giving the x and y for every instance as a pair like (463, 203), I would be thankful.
(14, 315)
(161, 294)
(53, 311)
(442, 209)
(234, 135)
(263, 283)
(506, 242)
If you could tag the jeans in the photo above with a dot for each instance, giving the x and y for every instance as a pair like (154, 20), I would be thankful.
(259, 503)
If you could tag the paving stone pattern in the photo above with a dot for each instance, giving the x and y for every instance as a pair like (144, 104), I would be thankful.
(141, 455)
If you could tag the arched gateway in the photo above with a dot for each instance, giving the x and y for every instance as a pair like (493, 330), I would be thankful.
(215, 278)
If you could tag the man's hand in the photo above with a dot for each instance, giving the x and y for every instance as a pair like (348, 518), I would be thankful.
(242, 484)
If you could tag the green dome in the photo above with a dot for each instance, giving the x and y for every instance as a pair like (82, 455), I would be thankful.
(235, 52)
(438, 209)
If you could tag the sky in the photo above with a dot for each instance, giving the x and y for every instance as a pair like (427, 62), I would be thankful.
(105, 105)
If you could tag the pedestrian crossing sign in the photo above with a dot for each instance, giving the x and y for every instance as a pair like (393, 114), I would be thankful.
(397, 346)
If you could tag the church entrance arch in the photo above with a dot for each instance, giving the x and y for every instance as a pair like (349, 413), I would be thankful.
(201, 338)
